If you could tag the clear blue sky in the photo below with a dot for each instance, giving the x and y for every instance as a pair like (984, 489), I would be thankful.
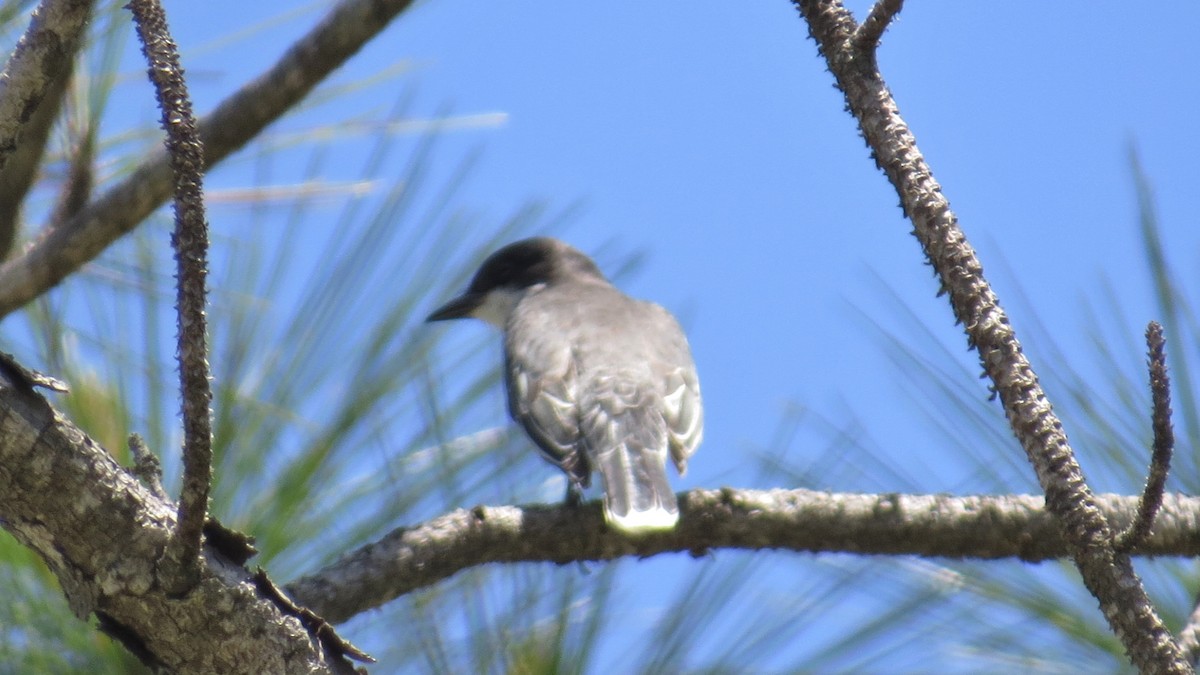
(709, 136)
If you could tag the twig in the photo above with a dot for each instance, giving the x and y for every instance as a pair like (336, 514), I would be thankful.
(1164, 443)
(233, 124)
(191, 252)
(77, 187)
(1108, 575)
(866, 38)
(335, 646)
(146, 467)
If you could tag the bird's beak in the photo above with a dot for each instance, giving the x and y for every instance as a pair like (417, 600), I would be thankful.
(459, 308)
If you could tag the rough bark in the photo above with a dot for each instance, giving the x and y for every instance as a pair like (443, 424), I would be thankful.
(102, 534)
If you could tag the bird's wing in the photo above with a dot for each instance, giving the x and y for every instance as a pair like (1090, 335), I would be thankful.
(543, 395)
(681, 405)
(684, 415)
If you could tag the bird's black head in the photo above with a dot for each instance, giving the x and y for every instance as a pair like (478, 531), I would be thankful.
(531, 261)
(521, 264)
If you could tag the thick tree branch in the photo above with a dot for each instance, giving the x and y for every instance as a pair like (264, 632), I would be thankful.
(984, 528)
(1109, 575)
(102, 533)
(234, 123)
(31, 92)
(191, 258)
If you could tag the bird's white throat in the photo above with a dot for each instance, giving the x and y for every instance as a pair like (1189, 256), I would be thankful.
(498, 305)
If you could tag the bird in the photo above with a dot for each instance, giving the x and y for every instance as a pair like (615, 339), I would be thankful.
(598, 380)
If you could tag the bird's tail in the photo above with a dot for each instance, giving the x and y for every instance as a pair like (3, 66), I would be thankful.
(630, 452)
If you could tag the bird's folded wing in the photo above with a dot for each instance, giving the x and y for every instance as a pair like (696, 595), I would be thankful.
(684, 414)
(543, 397)
(681, 408)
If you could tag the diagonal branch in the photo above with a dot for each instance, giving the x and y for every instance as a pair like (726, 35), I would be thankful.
(1108, 575)
(31, 91)
(191, 257)
(234, 123)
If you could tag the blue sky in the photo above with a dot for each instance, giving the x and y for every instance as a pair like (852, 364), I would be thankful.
(709, 137)
(712, 140)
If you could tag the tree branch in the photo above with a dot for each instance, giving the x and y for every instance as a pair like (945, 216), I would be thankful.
(234, 123)
(190, 240)
(146, 467)
(101, 532)
(1108, 574)
(866, 38)
(1164, 443)
(1189, 637)
(984, 528)
(77, 184)
(33, 85)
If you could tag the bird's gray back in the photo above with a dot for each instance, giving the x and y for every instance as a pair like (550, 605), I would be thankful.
(582, 354)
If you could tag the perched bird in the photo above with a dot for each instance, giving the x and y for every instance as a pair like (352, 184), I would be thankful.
(600, 381)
